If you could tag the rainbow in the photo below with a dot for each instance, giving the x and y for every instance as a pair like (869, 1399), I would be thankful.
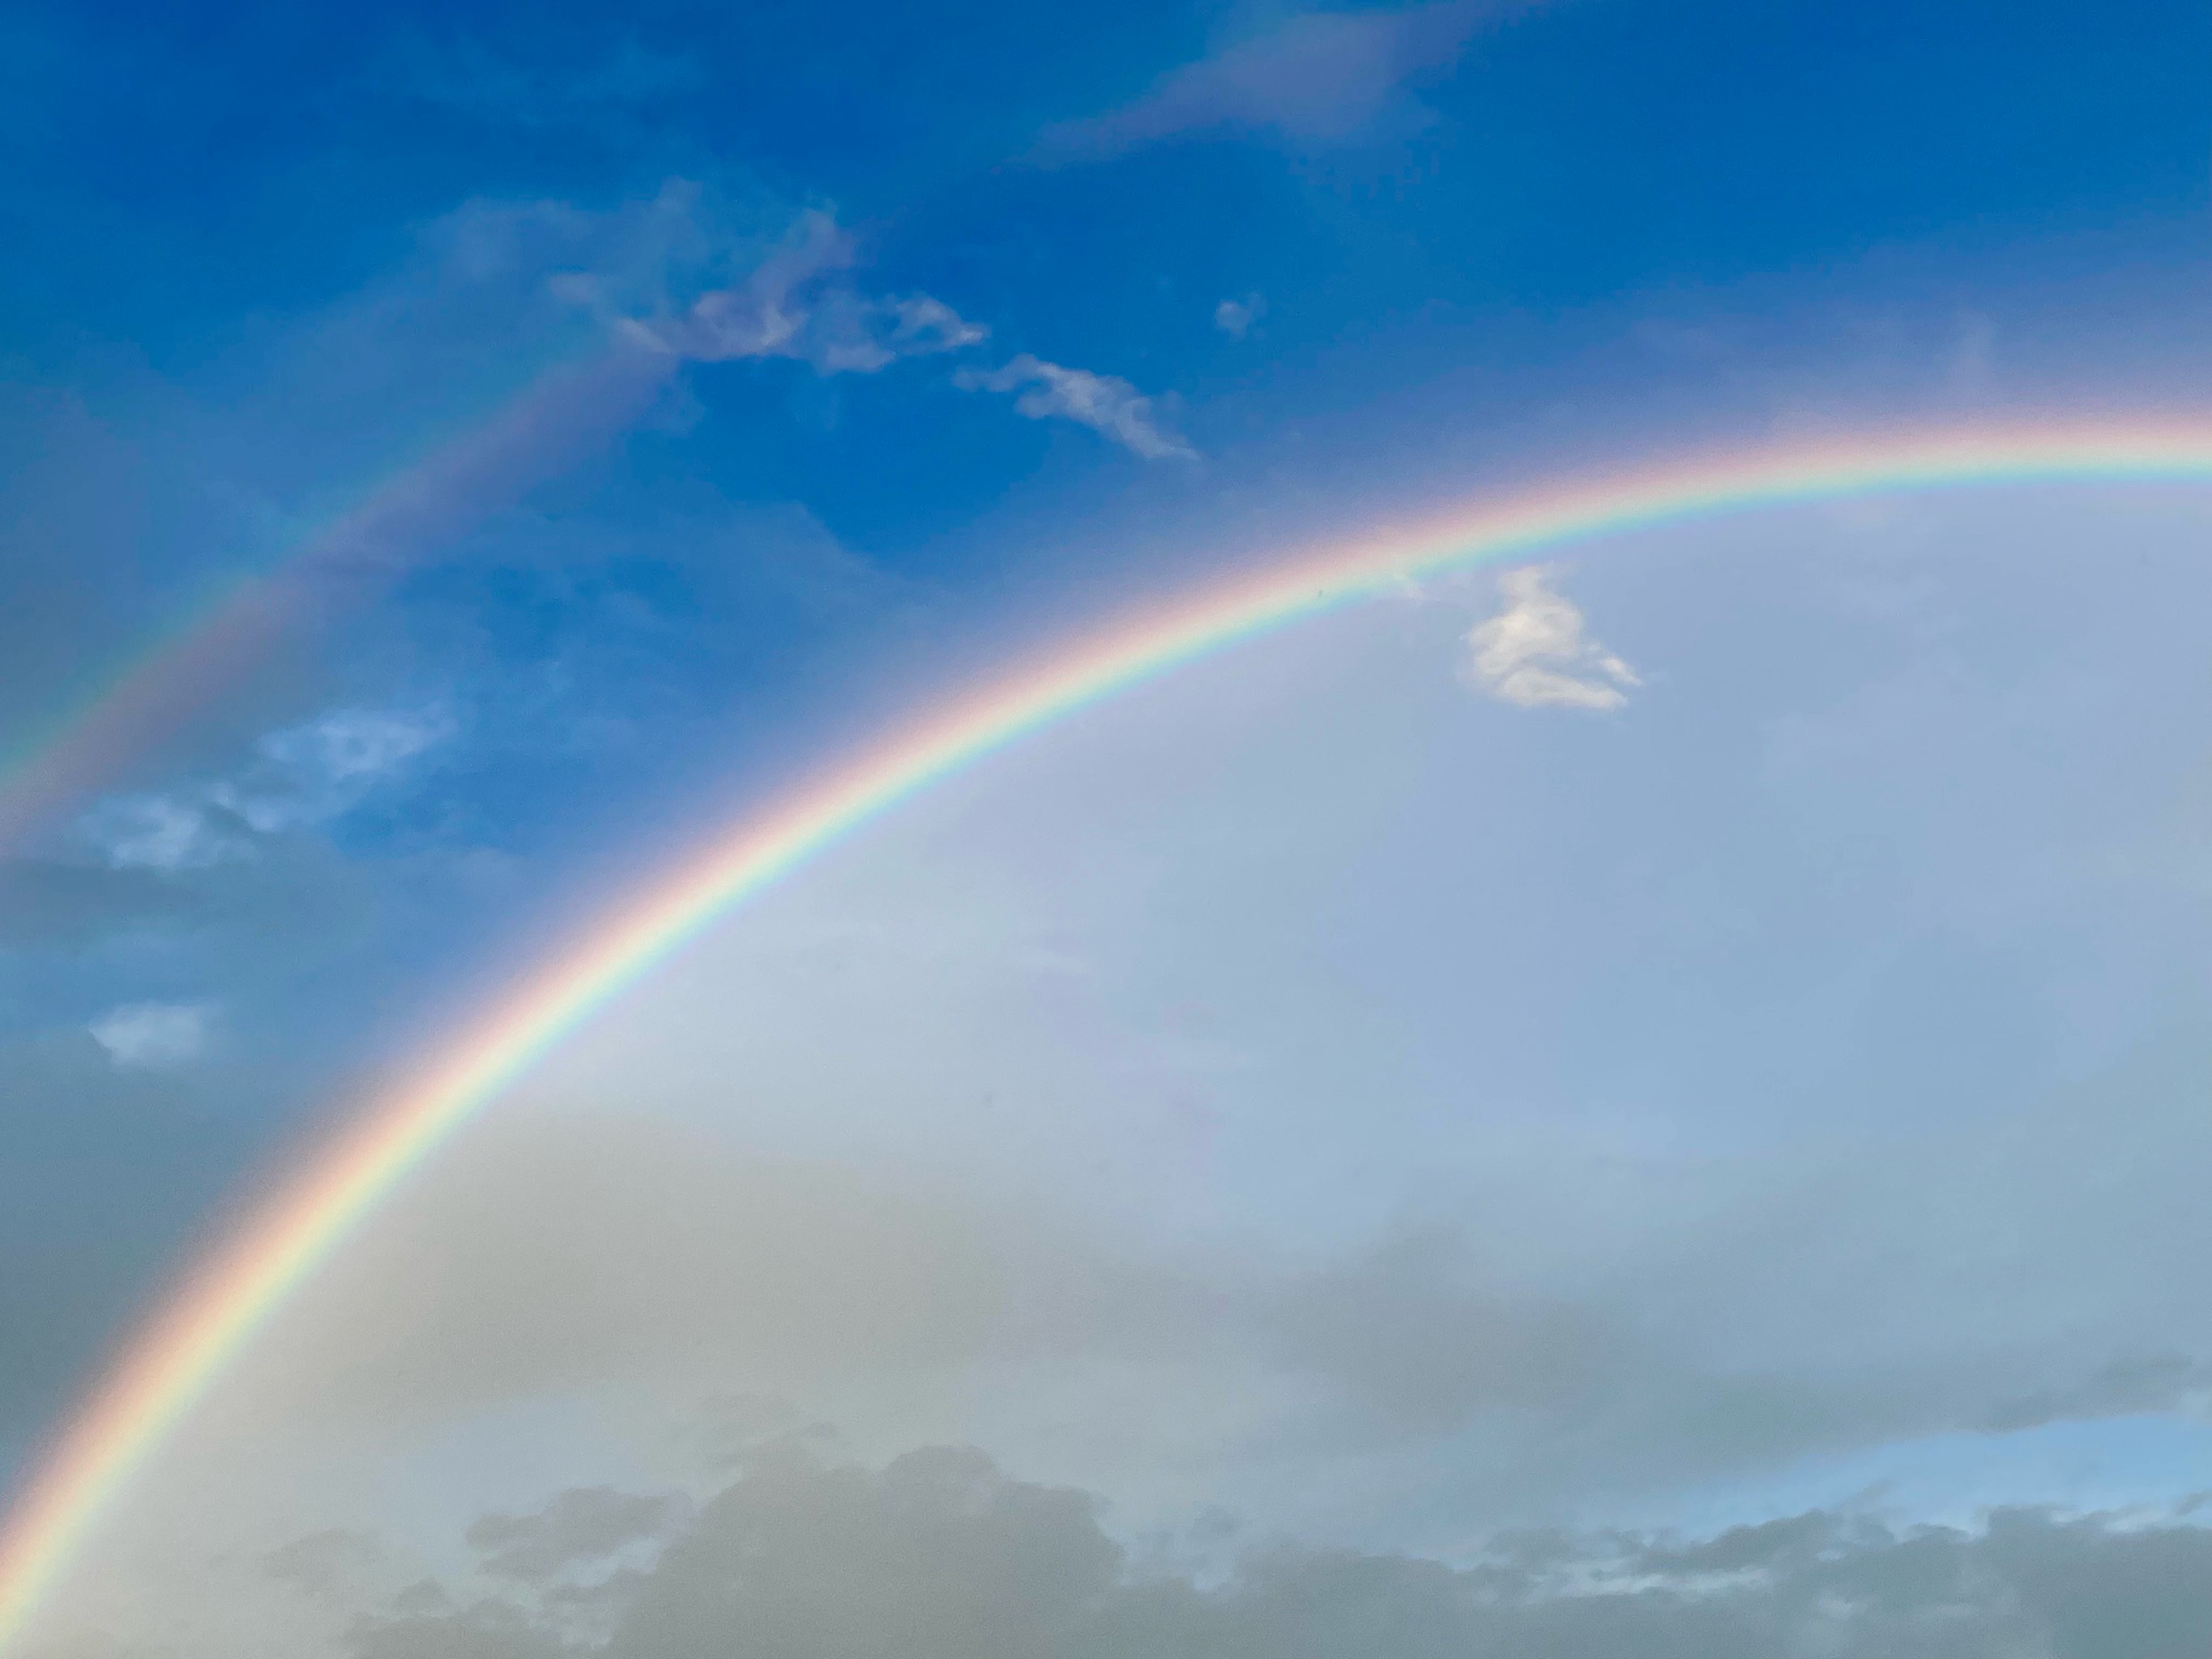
(208, 1322)
(566, 410)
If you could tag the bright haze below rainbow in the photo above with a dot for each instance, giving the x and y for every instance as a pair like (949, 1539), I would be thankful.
(1203, 785)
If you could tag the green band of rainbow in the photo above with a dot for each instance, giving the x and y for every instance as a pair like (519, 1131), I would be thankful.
(208, 1322)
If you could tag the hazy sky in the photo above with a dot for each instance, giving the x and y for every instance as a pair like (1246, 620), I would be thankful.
(1394, 1139)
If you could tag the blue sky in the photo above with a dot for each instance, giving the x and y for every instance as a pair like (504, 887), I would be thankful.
(967, 324)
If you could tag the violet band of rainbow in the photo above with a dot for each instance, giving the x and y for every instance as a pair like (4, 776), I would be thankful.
(206, 1327)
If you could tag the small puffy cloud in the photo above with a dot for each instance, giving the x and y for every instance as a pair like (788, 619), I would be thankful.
(1323, 78)
(152, 1035)
(1234, 317)
(1104, 403)
(1537, 653)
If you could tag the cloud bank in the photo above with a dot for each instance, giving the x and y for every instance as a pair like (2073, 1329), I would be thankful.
(940, 1555)
(584, 1260)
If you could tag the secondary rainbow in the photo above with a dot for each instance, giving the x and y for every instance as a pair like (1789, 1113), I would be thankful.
(566, 411)
(211, 1319)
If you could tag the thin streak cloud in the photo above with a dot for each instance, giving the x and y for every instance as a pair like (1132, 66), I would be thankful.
(1107, 404)
(1325, 78)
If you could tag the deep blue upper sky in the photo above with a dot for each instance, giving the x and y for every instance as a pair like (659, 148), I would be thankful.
(187, 166)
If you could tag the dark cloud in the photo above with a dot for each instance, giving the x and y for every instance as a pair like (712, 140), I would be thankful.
(489, 1629)
(939, 1555)
(2123, 1388)
(1420, 1345)
(583, 1526)
(324, 1564)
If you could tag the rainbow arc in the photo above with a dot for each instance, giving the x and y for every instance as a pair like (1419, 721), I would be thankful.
(212, 1320)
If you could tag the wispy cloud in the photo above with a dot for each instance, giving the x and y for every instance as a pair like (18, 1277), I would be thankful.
(1105, 403)
(678, 279)
(164, 832)
(318, 770)
(1323, 78)
(799, 302)
(152, 1035)
(688, 274)
(301, 775)
(1537, 653)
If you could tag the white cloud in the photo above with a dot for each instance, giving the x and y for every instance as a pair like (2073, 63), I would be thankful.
(1537, 653)
(351, 743)
(798, 303)
(927, 325)
(1234, 317)
(163, 832)
(320, 770)
(303, 775)
(151, 1036)
(687, 274)
(1105, 403)
(1323, 78)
